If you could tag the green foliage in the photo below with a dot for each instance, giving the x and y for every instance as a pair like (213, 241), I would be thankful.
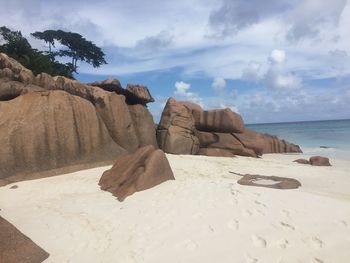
(18, 47)
(76, 47)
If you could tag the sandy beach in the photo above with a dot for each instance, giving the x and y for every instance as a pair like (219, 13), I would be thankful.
(202, 216)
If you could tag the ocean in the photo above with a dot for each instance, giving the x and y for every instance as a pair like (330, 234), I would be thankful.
(327, 138)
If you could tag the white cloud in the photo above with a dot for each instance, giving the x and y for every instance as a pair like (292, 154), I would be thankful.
(277, 56)
(231, 107)
(277, 77)
(252, 72)
(146, 42)
(219, 85)
(310, 17)
(182, 92)
(153, 43)
(181, 88)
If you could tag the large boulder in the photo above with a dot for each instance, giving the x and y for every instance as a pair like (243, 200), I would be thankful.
(51, 129)
(221, 120)
(265, 143)
(301, 161)
(141, 92)
(176, 130)
(16, 247)
(224, 141)
(185, 128)
(14, 70)
(319, 161)
(144, 125)
(276, 182)
(138, 171)
(52, 122)
(134, 94)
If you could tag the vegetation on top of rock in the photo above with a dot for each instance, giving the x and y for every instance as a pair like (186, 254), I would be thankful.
(75, 46)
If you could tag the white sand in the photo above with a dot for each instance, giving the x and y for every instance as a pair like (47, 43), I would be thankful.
(203, 216)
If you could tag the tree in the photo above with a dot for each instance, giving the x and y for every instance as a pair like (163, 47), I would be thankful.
(48, 36)
(77, 48)
(16, 46)
(14, 43)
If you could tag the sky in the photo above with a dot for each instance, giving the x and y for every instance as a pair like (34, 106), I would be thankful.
(270, 61)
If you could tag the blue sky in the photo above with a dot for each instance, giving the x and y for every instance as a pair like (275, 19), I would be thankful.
(272, 60)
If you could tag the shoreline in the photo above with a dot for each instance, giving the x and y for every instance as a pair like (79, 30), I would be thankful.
(202, 216)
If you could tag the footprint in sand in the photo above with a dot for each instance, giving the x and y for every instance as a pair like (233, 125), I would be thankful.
(191, 245)
(258, 211)
(233, 224)
(247, 212)
(317, 260)
(250, 259)
(260, 203)
(343, 222)
(316, 242)
(286, 225)
(283, 243)
(233, 201)
(259, 241)
(285, 213)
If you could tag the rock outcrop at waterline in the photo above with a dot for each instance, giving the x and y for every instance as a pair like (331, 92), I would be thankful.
(51, 122)
(185, 128)
(315, 161)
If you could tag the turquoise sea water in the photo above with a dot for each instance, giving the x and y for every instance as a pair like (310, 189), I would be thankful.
(330, 138)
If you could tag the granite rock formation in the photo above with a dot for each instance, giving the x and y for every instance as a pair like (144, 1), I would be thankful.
(141, 92)
(176, 130)
(302, 161)
(134, 94)
(138, 171)
(315, 161)
(319, 161)
(185, 128)
(277, 182)
(51, 122)
(16, 247)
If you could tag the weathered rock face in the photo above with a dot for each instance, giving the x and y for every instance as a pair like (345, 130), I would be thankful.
(45, 130)
(265, 143)
(16, 247)
(143, 169)
(55, 122)
(175, 132)
(319, 161)
(224, 121)
(302, 161)
(276, 181)
(315, 160)
(141, 92)
(13, 70)
(185, 128)
(144, 125)
(134, 94)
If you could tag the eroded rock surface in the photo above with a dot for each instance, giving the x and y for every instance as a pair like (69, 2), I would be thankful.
(302, 161)
(15, 247)
(319, 161)
(185, 128)
(52, 122)
(269, 181)
(176, 130)
(134, 94)
(138, 171)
